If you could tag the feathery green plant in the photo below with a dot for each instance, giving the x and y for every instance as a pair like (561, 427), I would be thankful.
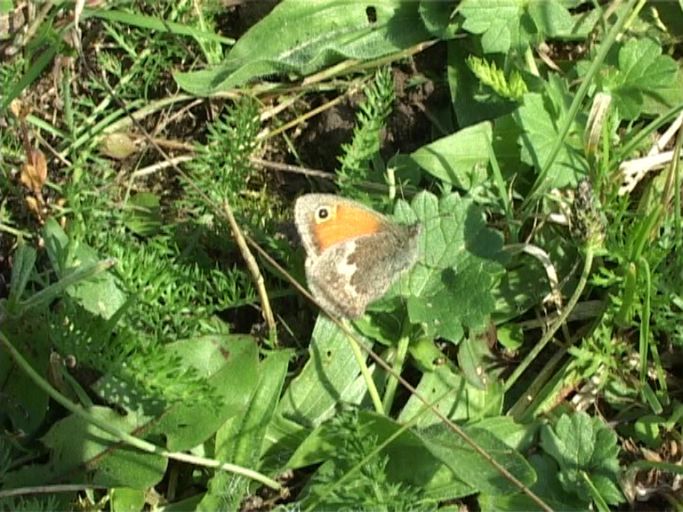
(360, 161)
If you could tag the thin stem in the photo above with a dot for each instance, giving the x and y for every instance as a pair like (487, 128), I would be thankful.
(255, 272)
(364, 370)
(587, 264)
(392, 384)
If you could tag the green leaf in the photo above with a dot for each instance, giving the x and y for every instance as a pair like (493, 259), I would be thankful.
(520, 436)
(229, 362)
(240, 439)
(460, 262)
(154, 23)
(584, 448)
(437, 17)
(473, 468)
(330, 377)
(453, 397)
(458, 159)
(540, 118)
(643, 72)
(472, 101)
(22, 268)
(409, 460)
(310, 36)
(551, 17)
(102, 294)
(25, 404)
(547, 487)
(52, 43)
(81, 452)
(499, 22)
(124, 499)
(143, 214)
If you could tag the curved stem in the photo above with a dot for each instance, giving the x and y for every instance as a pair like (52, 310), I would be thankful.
(587, 264)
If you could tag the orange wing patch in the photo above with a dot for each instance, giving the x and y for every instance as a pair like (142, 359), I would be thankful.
(348, 223)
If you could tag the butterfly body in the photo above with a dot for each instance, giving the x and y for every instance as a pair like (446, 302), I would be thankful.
(353, 253)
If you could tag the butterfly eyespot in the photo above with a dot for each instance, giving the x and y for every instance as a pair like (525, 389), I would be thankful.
(323, 213)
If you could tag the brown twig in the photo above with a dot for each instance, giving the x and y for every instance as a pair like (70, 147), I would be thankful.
(254, 270)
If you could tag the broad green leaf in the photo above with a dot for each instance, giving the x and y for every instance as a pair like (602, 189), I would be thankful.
(330, 377)
(453, 397)
(458, 159)
(583, 446)
(460, 261)
(240, 439)
(541, 117)
(643, 72)
(426, 355)
(520, 436)
(230, 364)
(83, 453)
(438, 19)
(499, 22)
(470, 466)
(550, 17)
(473, 356)
(102, 294)
(124, 499)
(310, 36)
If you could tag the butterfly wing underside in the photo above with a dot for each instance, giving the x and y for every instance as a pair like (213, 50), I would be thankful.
(348, 276)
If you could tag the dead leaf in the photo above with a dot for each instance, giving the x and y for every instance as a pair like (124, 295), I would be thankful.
(34, 172)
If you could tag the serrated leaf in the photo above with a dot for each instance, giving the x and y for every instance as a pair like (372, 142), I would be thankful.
(460, 261)
(458, 159)
(311, 35)
(541, 117)
(584, 448)
(642, 71)
(499, 22)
